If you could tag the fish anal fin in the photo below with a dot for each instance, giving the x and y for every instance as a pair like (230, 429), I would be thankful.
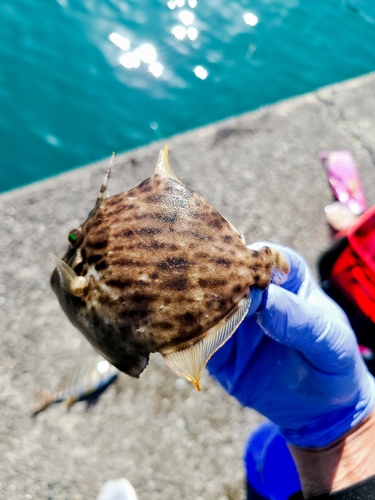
(162, 167)
(189, 362)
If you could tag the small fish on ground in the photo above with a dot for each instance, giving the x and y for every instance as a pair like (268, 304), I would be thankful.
(88, 379)
(158, 269)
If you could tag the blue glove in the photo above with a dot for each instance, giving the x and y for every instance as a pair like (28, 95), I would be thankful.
(295, 359)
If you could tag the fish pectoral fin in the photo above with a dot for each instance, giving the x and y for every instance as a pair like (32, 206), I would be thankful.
(70, 280)
(162, 167)
(189, 362)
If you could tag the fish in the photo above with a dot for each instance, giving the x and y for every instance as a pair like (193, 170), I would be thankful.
(87, 379)
(158, 269)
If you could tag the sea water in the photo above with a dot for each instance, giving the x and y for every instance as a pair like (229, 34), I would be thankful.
(82, 78)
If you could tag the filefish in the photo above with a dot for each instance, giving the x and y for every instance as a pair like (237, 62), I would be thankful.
(88, 378)
(158, 269)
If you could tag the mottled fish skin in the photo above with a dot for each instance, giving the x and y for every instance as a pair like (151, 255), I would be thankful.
(162, 267)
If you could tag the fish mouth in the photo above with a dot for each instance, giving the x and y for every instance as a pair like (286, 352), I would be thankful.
(129, 361)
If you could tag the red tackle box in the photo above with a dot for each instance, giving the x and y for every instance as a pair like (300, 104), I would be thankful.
(354, 270)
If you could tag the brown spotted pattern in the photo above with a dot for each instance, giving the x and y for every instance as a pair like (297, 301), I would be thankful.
(163, 267)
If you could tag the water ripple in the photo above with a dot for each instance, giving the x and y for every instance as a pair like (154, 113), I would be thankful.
(82, 78)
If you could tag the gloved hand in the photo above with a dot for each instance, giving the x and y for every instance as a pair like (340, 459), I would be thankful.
(295, 359)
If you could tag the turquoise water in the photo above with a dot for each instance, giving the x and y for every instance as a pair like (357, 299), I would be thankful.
(82, 78)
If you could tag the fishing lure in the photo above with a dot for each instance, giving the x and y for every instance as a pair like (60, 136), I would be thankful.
(158, 269)
(87, 378)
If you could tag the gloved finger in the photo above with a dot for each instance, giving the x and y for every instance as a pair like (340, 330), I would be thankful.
(323, 337)
(256, 295)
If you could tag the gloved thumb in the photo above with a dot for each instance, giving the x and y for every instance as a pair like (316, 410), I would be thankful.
(258, 298)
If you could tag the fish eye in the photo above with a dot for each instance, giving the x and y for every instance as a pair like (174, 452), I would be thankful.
(75, 237)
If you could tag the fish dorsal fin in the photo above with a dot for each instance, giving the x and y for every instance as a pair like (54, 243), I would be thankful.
(189, 362)
(70, 280)
(240, 233)
(242, 236)
(103, 193)
(162, 167)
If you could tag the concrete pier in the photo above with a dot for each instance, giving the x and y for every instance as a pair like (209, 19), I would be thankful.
(261, 171)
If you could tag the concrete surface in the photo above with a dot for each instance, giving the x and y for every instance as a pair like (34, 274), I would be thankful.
(261, 170)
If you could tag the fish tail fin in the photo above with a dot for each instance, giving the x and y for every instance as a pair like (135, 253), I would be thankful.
(280, 267)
